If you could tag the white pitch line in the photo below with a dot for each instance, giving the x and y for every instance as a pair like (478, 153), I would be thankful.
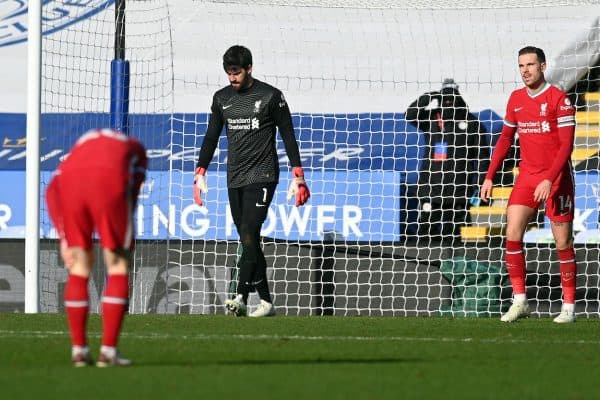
(200, 336)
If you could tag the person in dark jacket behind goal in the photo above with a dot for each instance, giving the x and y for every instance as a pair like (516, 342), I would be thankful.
(454, 161)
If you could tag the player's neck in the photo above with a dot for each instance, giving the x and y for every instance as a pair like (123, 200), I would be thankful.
(536, 88)
(246, 87)
(249, 82)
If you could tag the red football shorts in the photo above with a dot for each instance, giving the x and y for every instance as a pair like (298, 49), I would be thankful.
(560, 203)
(87, 201)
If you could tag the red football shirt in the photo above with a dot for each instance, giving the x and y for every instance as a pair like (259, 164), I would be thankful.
(538, 121)
(109, 150)
(95, 188)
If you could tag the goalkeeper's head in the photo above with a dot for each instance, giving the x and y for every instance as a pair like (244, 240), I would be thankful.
(237, 63)
(237, 56)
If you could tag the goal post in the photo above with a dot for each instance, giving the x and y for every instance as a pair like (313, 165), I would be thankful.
(32, 221)
(349, 71)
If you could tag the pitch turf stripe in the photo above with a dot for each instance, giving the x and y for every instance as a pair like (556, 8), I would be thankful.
(162, 336)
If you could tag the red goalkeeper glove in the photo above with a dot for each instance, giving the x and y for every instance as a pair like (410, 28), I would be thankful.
(199, 185)
(298, 187)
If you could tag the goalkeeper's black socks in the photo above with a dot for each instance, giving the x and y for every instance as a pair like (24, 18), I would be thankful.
(246, 270)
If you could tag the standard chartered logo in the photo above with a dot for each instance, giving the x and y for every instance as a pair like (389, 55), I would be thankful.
(242, 123)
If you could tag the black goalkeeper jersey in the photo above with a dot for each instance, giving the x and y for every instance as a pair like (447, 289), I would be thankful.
(250, 117)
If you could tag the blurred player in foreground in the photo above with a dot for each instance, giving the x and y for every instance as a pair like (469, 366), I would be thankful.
(544, 119)
(251, 111)
(95, 189)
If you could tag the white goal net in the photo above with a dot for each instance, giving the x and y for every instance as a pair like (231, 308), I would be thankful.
(380, 235)
(78, 45)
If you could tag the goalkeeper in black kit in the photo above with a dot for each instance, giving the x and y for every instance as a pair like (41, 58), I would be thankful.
(251, 111)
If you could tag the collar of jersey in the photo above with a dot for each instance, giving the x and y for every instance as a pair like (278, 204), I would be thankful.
(533, 96)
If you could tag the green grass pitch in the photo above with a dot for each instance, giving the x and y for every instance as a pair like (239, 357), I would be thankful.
(220, 357)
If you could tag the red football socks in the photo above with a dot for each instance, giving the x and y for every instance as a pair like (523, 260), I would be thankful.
(114, 305)
(568, 274)
(515, 265)
(76, 307)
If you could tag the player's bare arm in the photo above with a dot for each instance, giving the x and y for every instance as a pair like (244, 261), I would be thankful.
(486, 190)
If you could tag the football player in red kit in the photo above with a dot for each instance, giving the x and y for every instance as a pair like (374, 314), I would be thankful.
(544, 119)
(95, 189)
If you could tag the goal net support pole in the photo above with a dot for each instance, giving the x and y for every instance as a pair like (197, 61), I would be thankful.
(32, 216)
(119, 75)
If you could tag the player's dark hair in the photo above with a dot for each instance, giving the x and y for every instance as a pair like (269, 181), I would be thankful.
(237, 56)
(534, 50)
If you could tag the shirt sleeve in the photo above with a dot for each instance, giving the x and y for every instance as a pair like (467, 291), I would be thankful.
(211, 137)
(565, 118)
(510, 117)
(280, 113)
